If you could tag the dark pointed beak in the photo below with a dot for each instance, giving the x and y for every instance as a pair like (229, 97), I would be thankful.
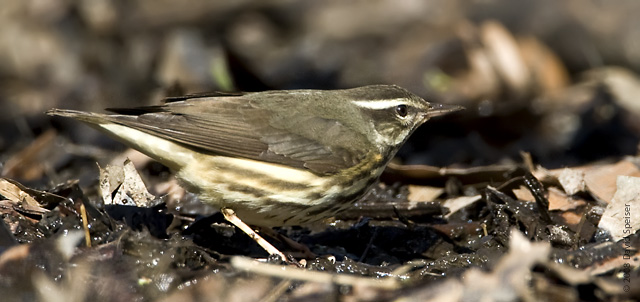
(441, 109)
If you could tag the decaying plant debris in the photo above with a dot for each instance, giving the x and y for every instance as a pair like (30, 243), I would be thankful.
(497, 245)
(528, 195)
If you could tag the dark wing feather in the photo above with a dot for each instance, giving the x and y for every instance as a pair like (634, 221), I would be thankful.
(239, 127)
(201, 95)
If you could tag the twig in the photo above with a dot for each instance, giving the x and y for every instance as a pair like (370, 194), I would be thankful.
(85, 225)
(295, 273)
(230, 216)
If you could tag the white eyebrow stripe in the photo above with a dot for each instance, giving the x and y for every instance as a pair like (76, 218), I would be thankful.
(380, 104)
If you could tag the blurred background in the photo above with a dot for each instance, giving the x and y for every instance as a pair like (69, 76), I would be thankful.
(553, 78)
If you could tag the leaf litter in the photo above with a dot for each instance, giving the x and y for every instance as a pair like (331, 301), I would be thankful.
(466, 215)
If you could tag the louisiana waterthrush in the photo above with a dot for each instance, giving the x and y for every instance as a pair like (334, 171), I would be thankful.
(277, 157)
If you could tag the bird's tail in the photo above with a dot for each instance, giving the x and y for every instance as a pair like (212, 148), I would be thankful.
(87, 117)
(167, 152)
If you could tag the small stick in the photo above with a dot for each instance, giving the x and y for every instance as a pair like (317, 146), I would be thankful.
(295, 273)
(85, 225)
(230, 216)
(303, 249)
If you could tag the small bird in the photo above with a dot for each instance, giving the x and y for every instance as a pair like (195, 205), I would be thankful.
(285, 157)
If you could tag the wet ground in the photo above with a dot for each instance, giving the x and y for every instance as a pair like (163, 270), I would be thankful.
(530, 194)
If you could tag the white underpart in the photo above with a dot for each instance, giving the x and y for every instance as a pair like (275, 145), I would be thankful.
(277, 171)
(220, 179)
(162, 150)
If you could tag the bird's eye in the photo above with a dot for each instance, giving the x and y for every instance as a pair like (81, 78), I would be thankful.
(401, 110)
